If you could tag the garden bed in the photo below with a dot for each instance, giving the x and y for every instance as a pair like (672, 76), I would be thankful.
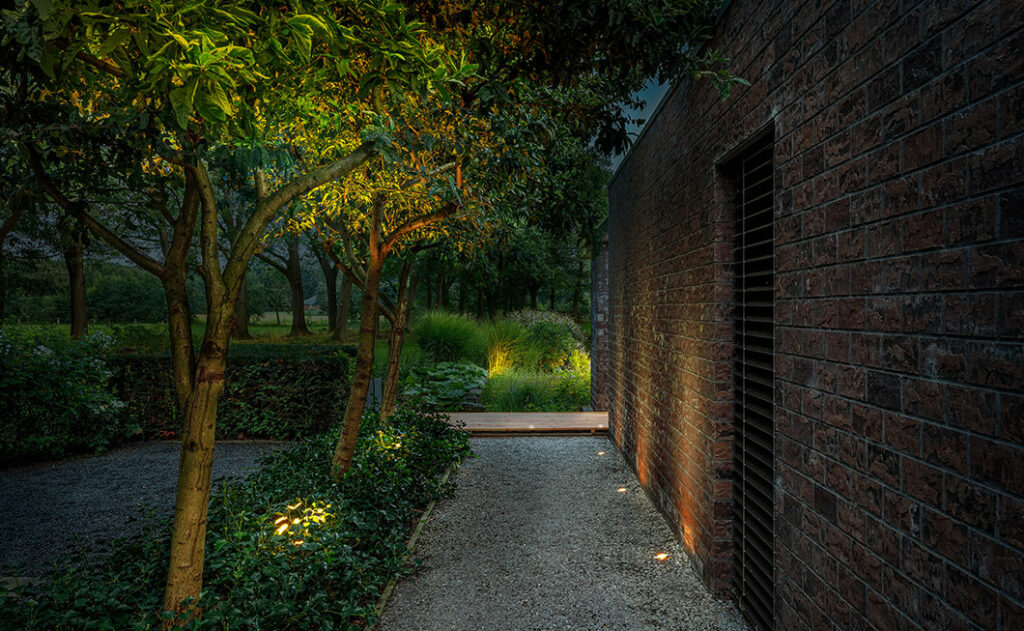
(287, 548)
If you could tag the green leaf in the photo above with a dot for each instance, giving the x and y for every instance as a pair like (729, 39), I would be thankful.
(182, 100)
(116, 39)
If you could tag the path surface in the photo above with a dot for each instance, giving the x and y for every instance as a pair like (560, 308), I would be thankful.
(50, 510)
(539, 538)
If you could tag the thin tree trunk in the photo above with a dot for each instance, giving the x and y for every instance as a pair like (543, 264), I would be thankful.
(344, 305)
(294, 275)
(242, 311)
(179, 321)
(74, 247)
(389, 392)
(331, 278)
(577, 291)
(430, 295)
(479, 303)
(345, 449)
(533, 297)
(439, 288)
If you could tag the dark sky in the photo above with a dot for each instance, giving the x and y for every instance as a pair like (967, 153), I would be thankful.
(652, 94)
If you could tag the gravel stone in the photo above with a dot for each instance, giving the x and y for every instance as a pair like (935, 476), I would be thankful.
(56, 509)
(538, 537)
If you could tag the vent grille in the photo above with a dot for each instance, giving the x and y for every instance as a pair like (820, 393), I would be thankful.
(754, 382)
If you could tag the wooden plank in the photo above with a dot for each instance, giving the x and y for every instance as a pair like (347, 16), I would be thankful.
(532, 421)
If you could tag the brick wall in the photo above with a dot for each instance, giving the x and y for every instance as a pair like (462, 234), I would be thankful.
(899, 416)
(599, 359)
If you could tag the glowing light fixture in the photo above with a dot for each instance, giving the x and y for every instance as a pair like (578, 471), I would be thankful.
(600, 453)
(661, 556)
(622, 489)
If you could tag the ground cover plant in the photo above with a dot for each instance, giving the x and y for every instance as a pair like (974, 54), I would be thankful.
(287, 548)
(444, 387)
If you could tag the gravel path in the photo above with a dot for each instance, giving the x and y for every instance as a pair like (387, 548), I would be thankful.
(538, 537)
(50, 510)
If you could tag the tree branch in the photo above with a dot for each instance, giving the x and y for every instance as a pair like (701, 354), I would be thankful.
(419, 222)
(75, 210)
(250, 234)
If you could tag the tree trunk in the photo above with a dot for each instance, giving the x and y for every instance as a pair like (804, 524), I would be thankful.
(294, 275)
(430, 295)
(479, 303)
(439, 288)
(551, 296)
(533, 297)
(74, 247)
(331, 278)
(179, 321)
(577, 291)
(389, 392)
(344, 305)
(346, 446)
(188, 535)
(242, 311)
(463, 295)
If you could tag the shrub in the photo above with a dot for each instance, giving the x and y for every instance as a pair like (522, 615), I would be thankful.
(547, 346)
(287, 548)
(528, 318)
(450, 337)
(54, 399)
(525, 391)
(443, 387)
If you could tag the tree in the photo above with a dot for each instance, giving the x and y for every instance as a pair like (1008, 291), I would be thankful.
(178, 80)
(288, 264)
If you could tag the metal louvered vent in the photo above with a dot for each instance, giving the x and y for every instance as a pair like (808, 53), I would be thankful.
(754, 383)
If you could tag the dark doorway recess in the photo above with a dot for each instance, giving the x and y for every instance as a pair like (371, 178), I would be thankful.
(754, 380)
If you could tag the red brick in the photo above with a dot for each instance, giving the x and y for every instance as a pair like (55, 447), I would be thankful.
(922, 231)
(970, 129)
(973, 598)
(945, 447)
(970, 314)
(998, 464)
(970, 503)
(922, 481)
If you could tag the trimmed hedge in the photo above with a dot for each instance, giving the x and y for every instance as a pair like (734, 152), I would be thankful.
(270, 391)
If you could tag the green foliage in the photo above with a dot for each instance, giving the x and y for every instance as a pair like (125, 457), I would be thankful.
(450, 337)
(277, 391)
(503, 338)
(528, 318)
(525, 391)
(54, 399)
(140, 338)
(124, 294)
(443, 387)
(548, 345)
(287, 548)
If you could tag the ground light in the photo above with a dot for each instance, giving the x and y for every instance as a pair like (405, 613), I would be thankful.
(661, 556)
(622, 489)
(600, 453)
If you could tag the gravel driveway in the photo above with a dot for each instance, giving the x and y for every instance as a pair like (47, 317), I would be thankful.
(538, 537)
(49, 510)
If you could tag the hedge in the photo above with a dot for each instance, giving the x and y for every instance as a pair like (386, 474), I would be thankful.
(270, 391)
